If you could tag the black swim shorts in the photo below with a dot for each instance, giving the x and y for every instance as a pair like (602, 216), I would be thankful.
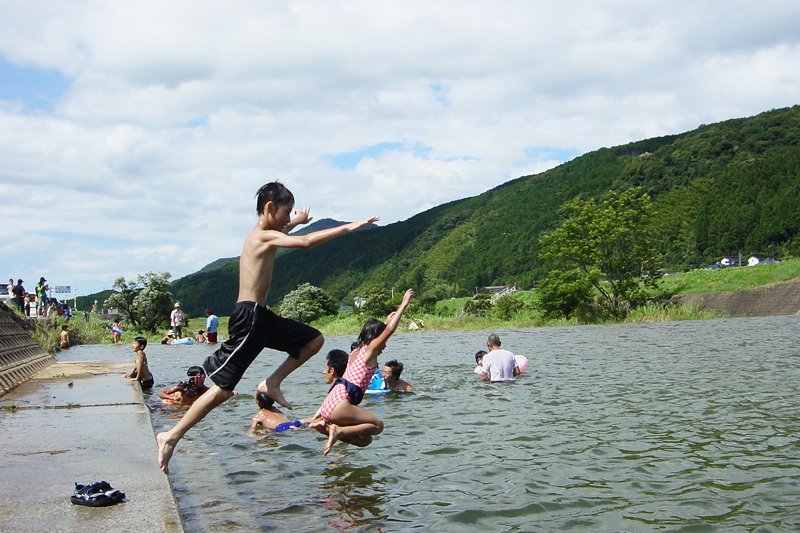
(252, 328)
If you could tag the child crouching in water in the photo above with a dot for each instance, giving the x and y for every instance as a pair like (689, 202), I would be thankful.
(341, 418)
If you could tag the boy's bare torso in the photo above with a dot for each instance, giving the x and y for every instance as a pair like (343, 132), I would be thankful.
(255, 266)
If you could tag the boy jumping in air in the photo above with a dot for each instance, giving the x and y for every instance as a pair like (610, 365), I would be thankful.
(252, 326)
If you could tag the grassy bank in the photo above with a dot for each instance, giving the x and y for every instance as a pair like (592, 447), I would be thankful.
(730, 279)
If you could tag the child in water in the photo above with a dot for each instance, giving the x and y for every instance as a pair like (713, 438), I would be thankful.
(341, 418)
(63, 341)
(270, 417)
(186, 392)
(116, 331)
(479, 361)
(141, 372)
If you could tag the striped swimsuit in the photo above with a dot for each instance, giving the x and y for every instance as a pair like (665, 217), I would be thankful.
(356, 373)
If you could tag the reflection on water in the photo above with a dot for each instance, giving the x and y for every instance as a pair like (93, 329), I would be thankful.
(677, 426)
(355, 498)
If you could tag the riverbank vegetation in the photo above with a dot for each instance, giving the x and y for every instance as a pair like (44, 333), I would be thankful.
(518, 309)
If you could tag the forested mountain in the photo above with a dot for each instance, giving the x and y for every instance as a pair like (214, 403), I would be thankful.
(720, 189)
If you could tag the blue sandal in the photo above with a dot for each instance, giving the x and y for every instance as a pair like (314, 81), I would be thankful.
(97, 494)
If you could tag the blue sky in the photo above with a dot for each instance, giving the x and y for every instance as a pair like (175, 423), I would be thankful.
(134, 136)
(35, 89)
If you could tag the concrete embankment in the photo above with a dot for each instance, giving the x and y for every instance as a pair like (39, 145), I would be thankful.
(778, 299)
(20, 356)
(76, 422)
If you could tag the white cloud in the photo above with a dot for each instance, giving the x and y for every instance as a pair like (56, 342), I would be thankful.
(176, 112)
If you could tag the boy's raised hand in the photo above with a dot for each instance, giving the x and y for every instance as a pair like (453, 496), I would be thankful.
(301, 216)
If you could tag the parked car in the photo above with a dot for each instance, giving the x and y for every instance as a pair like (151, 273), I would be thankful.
(761, 260)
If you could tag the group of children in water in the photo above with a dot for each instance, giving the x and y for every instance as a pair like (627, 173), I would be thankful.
(339, 417)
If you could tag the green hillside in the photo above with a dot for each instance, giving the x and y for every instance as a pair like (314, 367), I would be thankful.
(719, 189)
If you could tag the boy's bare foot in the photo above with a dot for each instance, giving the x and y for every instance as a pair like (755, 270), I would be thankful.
(333, 436)
(274, 392)
(165, 449)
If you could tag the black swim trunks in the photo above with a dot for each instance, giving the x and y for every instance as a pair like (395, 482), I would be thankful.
(147, 384)
(252, 328)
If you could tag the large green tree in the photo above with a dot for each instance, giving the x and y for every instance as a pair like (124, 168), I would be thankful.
(146, 303)
(609, 243)
(308, 303)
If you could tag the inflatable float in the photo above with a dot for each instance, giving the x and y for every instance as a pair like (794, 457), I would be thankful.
(185, 340)
(376, 384)
(522, 363)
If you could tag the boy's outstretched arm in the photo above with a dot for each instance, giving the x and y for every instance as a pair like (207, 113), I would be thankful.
(317, 237)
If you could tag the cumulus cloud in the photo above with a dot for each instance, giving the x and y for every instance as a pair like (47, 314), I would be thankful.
(153, 124)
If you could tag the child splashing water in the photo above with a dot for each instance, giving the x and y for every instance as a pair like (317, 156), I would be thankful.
(341, 418)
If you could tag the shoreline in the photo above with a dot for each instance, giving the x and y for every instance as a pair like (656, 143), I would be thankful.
(78, 422)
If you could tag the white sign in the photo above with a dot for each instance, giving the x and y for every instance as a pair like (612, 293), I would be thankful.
(62, 289)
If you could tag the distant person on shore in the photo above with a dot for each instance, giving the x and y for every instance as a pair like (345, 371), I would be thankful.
(212, 325)
(176, 320)
(41, 296)
(270, 417)
(252, 326)
(116, 331)
(64, 338)
(479, 362)
(18, 291)
(141, 371)
(186, 392)
(200, 336)
(342, 418)
(391, 377)
(498, 364)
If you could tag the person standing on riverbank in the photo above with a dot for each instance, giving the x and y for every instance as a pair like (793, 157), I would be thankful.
(212, 324)
(41, 296)
(176, 320)
(252, 326)
(19, 296)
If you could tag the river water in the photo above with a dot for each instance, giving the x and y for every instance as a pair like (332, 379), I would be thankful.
(677, 426)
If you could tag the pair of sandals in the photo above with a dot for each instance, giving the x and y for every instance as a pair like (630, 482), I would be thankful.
(97, 494)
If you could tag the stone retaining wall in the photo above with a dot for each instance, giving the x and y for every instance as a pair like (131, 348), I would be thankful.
(20, 356)
(780, 299)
